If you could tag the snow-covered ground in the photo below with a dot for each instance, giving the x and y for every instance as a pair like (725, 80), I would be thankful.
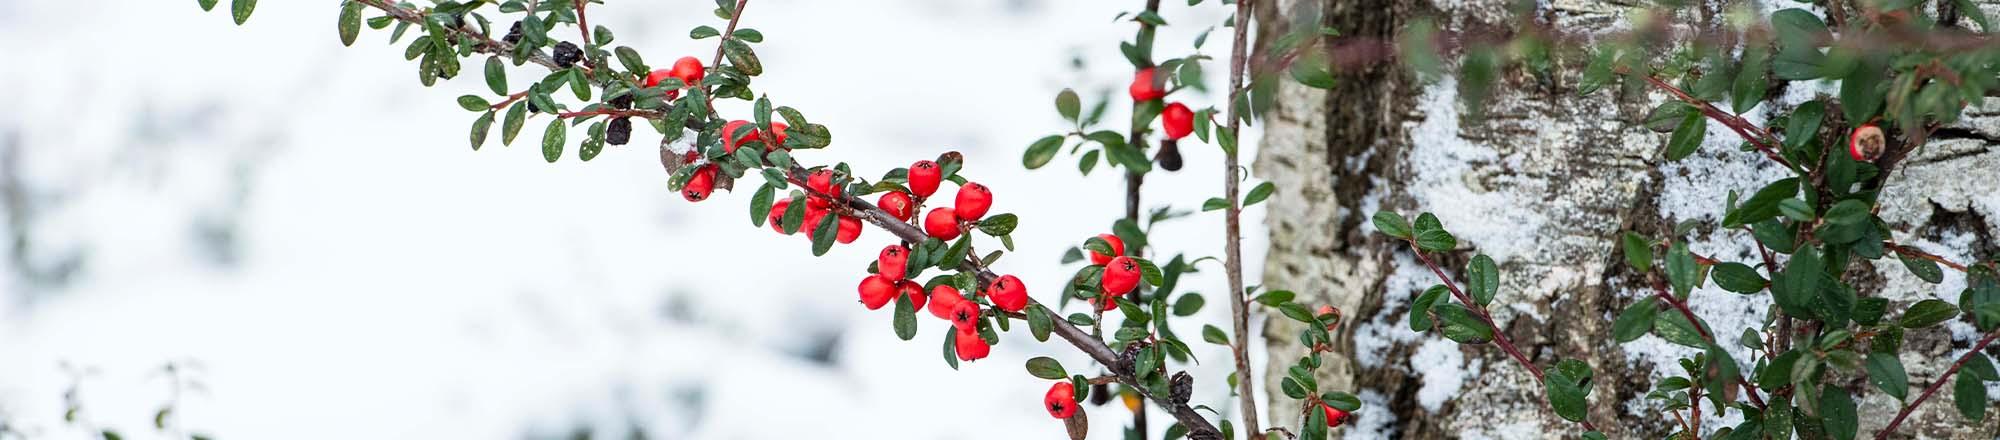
(305, 222)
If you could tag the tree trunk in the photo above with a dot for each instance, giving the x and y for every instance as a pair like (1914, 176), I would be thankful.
(1544, 181)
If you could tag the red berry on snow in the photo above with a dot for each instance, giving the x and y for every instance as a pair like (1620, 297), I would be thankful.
(777, 215)
(943, 299)
(941, 223)
(1008, 293)
(965, 315)
(849, 229)
(970, 346)
(1117, 249)
(700, 185)
(689, 70)
(1061, 400)
(891, 262)
(821, 182)
(924, 177)
(1178, 120)
(877, 290)
(897, 204)
(914, 291)
(973, 201)
(730, 138)
(1334, 416)
(1867, 143)
(1145, 87)
(1120, 276)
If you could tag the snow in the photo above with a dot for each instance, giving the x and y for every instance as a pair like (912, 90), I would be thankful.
(1373, 421)
(306, 221)
(1442, 167)
(1444, 372)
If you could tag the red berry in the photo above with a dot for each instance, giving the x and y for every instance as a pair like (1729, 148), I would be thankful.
(749, 135)
(1178, 120)
(821, 182)
(914, 291)
(897, 204)
(943, 299)
(777, 137)
(1334, 416)
(877, 290)
(924, 177)
(1008, 293)
(970, 346)
(653, 78)
(700, 185)
(1120, 276)
(891, 262)
(689, 70)
(1867, 143)
(973, 201)
(1110, 302)
(965, 315)
(1145, 87)
(942, 224)
(777, 215)
(849, 229)
(1061, 400)
(811, 225)
(1117, 249)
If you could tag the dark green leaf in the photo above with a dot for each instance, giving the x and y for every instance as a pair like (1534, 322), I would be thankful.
(1461, 325)
(1969, 395)
(1258, 194)
(350, 20)
(1885, 370)
(1738, 277)
(1482, 279)
(1068, 104)
(1638, 253)
(480, 127)
(1214, 335)
(1836, 412)
(1046, 368)
(1635, 321)
(1681, 269)
(906, 317)
(1927, 313)
(1420, 311)
(1040, 152)
(552, 140)
(1688, 135)
(240, 10)
(1392, 224)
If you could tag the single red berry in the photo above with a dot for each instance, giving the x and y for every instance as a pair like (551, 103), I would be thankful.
(965, 315)
(1867, 143)
(914, 291)
(943, 299)
(973, 201)
(1008, 293)
(924, 178)
(748, 130)
(970, 346)
(897, 204)
(777, 139)
(877, 290)
(1110, 302)
(689, 70)
(1060, 400)
(1145, 87)
(849, 229)
(1329, 310)
(891, 262)
(942, 224)
(1178, 120)
(777, 215)
(821, 182)
(1120, 276)
(1334, 416)
(700, 185)
(1117, 249)
(811, 225)
(653, 78)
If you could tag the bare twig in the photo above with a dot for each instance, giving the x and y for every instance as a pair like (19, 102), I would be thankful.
(1239, 309)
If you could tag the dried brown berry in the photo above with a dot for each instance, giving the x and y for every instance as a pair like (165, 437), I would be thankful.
(619, 132)
(567, 54)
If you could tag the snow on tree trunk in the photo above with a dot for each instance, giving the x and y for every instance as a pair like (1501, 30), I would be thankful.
(1544, 182)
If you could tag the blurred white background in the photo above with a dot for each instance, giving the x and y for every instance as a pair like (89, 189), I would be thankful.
(305, 223)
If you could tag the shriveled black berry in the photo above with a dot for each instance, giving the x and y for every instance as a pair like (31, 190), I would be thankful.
(1128, 360)
(1169, 156)
(619, 132)
(1100, 394)
(622, 102)
(567, 54)
(532, 108)
(1180, 388)
(513, 34)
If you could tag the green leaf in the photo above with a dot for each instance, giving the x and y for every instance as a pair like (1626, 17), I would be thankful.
(1296, 312)
(473, 103)
(1598, 72)
(1687, 136)
(552, 140)
(760, 204)
(1836, 412)
(350, 21)
(750, 35)
(906, 317)
(1885, 370)
(1636, 320)
(1926, 270)
(1738, 277)
(1675, 327)
(1189, 304)
(1482, 279)
(1046, 368)
(1134, 161)
(480, 127)
(742, 57)
(1214, 335)
(496, 75)
(1042, 151)
(1214, 204)
(1638, 253)
(1420, 311)
(1392, 224)
(1040, 322)
(1969, 395)
(1681, 269)
(1568, 386)
(517, 115)
(951, 347)
(207, 5)
(1763, 205)
(240, 10)
(998, 225)
(1259, 193)
(1927, 313)
(703, 31)
(829, 227)
(1461, 325)
(1068, 104)
(1341, 401)
(1751, 82)
(1436, 240)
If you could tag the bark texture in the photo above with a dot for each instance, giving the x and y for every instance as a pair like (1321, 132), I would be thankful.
(1544, 182)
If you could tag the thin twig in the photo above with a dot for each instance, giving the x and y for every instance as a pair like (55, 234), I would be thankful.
(1239, 309)
(1939, 383)
(1479, 311)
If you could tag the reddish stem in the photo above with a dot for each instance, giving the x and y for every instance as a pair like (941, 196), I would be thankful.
(1935, 385)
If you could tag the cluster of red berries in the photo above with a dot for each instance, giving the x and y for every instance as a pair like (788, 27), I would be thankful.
(1006, 293)
(1176, 118)
(818, 206)
(1121, 273)
(741, 132)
